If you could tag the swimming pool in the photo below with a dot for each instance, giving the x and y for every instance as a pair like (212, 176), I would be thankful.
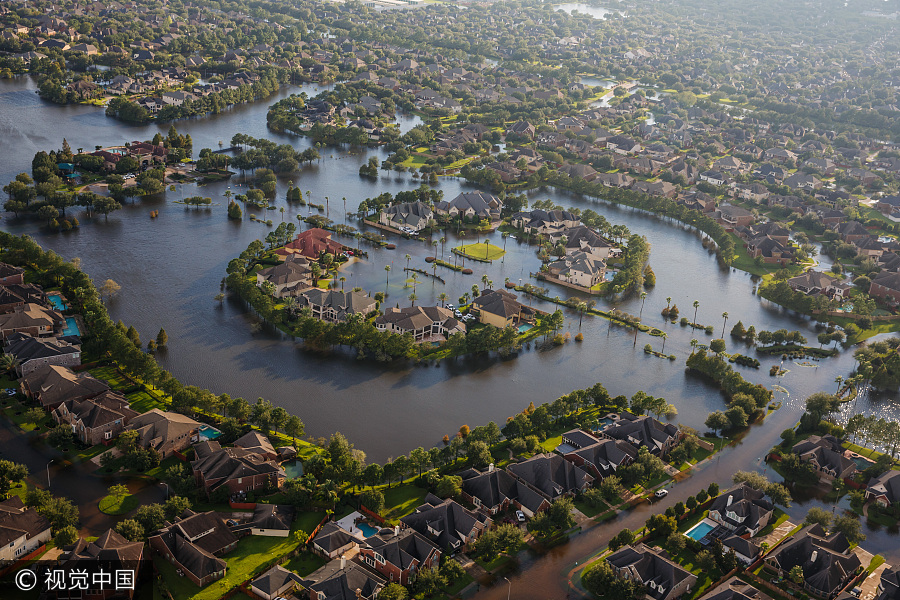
(71, 327)
(209, 433)
(367, 530)
(524, 328)
(699, 531)
(293, 469)
(57, 302)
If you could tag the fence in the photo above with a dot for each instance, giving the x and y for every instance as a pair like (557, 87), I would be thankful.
(31, 555)
(381, 520)
(242, 505)
(315, 531)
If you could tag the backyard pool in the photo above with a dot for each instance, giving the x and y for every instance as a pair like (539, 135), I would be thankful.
(699, 531)
(57, 302)
(71, 327)
(209, 433)
(293, 469)
(861, 462)
(367, 530)
(524, 328)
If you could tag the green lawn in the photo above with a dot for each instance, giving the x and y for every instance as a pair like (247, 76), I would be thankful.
(307, 521)
(118, 505)
(588, 509)
(481, 251)
(401, 500)
(252, 555)
(142, 401)
(305, 563)
(550, 444)
(111, 376)
(780, 517)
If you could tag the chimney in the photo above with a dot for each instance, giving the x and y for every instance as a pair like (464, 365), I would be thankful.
(396, 530)
(814, 556)
(343, 562)
(491, 468)
(359, 593)
(730, 498)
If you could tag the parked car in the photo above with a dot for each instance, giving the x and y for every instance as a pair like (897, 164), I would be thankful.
(520, 516)
(661, 493)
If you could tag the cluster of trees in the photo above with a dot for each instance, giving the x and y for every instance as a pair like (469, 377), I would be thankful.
(744, 398)
(266, 154)
(845, 523)
(423, 193)
(879, 363)
(775, 491)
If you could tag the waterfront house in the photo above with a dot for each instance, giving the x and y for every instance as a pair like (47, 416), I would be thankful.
(341, 579)
(736, 589)
(33, 353)
(165, 432)
(814, 283)
(471, 206)
(289, 278)
(447, 523)
(51, 385)
(770, 250)
(33, 319)
(237, 469)
(277, 582)
(646, 431)
(494, 491)
(540, 221)
(335, 305)
(424, 323)
(884, 489)
(731, 217)
(194, 544)
(398, 555)
(578, 269)
(414, 215)
(827, 562)
(312, 243)
(584, 239)
(599, 457)
(501, 309)
(662, 578)
(889, 585)
(742, 508)
(851, 231)
(552, 475)
(22, 530)
(115, 552)
(619, 180)
(97, 420)
(826, 456)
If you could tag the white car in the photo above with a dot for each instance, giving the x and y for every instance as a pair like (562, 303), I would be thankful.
(520, 516)
(661, 493)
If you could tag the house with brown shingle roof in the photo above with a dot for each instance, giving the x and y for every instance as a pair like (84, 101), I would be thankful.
(32, 319)
(165, 432)
(194, 543)
(115, 552)
(501, 309)
(52, 385)
(237, 469)
(22, 530)
(423, 322)
(97, 420)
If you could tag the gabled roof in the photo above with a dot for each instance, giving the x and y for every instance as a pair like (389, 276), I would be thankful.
(274, 580)
(887, 484)
(157, 427)
(552, 474)
(641, 431)
(648, 567)
(749, 506)
(347, 582)
(17, 520)
(453, 523)
(404, 550)
(219, 465)
(331, 537)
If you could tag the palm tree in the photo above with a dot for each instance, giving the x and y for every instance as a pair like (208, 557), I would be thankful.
(282, 213)
(443, 298)
(484, 280)
(838, 380)
(665, 336)
(443, 239)
(724, 316)
(504, 235)
(8, 362)
(581, 307)
(434, 245)
(668, 302)
(343, 279)
(413, 298)
(387, 277)
(466, 297)
(407, 260)
(643, 298)
(696, 307)
(694, 343)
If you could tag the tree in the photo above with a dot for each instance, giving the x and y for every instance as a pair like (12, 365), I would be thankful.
(372, 499)
(109, 289)
(150, 517)
(623, 538)
(10, 474)
(818, 516)
(717, 421)
(65, 536)
(295, 428)
(448, 486)
(162, 338)
(849, 525)
(706, 561)
(118, 491)
(662, 525)
(428, 582)
(796, 574)
(820, 405)
(393, 591)
(131, 530)
(451, 571)
(601, 581)
(717, 346)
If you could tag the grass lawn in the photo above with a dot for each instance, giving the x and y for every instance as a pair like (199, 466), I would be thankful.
(118, 505)
(89, 453)
(111, 376)
(495, 564)
(867, 452)
(588, 509)
(401, 500)
(481, 251)
(305, 563)
(307, 521)
(551, 443)
(252, 555)
(142, 401)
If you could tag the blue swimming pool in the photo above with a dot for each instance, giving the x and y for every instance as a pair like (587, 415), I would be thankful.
(293, 469)
(699, 531)
(57, 302)
(209, 433)
(367, 530)
(524, 328)
(71, 327)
